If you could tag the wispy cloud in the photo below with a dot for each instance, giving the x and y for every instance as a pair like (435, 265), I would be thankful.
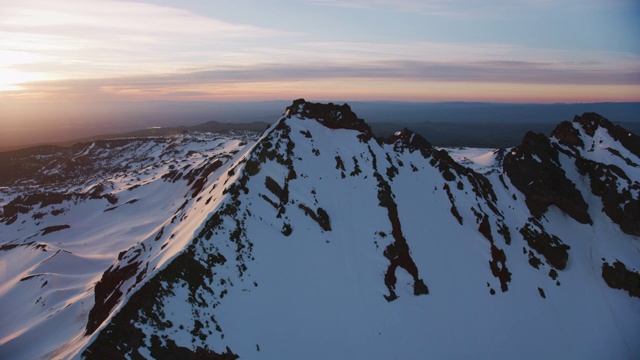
(101, 48)
(462, 7)
(79, 38)
(119, 16)
(507, 72)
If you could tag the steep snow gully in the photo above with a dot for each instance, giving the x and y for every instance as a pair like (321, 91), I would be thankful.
(319, 240)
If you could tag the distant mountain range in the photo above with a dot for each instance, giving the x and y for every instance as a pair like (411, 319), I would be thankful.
(444, 124)
(317, 238)
(210, 127)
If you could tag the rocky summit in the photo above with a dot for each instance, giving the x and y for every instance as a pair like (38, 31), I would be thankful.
(317, 240)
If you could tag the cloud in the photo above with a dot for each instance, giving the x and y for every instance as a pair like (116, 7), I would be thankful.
(507, 72)
(441, 7)
(117, 47)
(134, 18)
(449, 8)
(186, 93)
(88, 38)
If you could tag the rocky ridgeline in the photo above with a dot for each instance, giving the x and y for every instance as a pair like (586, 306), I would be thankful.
(276, 186)
(620, 203)
(534, 168)
(330, 115)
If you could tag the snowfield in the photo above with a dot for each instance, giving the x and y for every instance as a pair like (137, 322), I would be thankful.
(47, 279)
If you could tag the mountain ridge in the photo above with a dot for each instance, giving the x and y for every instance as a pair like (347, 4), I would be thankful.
(398, 228)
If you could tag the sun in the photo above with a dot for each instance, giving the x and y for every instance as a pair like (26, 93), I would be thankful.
(10, 75)
(11, 79)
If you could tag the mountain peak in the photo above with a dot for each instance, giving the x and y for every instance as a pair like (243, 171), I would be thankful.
(330, 115)
(256, 246)
(410, 140)
(535, 169)
(591, 121)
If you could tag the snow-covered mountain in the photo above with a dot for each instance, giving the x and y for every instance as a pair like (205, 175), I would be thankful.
(318, 240)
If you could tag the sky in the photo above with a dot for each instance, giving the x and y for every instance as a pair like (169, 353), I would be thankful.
(67, 65)
(542, 51)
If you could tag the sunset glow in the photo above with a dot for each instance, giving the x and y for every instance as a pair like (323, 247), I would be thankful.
(74, 50)
(319, 179)
(65, 64)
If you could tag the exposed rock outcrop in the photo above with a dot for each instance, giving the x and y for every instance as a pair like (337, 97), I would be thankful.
(619, 277)
(567, 135)
(619, 204)
(409, 140)
(535, 170)
(591, 121)
(330, 115)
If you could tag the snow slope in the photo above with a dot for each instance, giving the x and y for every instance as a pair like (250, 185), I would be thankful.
(118, 200)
